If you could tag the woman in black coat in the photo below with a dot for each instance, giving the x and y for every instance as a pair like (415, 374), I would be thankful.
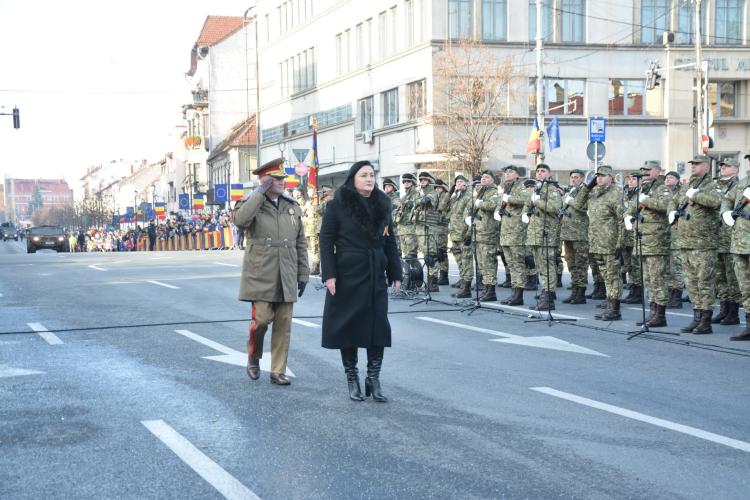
(359, 258)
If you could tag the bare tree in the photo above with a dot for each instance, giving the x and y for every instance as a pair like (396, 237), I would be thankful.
(471, 95)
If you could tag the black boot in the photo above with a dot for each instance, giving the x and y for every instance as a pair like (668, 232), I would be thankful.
(559, 281)
(580, 297)
(443, 278)
(507, 283)
(613, 311)
(704, 325)
(723, 311)
(604, 305)
(694, 323)
(349, 359)
(488, 295)
(659, 319)
(675, 299)
(372, 382)
(635, 296)
(464, 292)
(744, 334)
(458, 284)
(573, 295)
(650, 316)
(733, 317)
(315, 270)
(545, 302)
(530, 282)
(432, 284)
(517, 298)
(599, 292)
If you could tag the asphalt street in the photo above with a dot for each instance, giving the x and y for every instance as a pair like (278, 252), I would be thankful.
(122, 376)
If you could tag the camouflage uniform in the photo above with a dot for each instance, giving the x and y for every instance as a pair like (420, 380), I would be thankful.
(630, 264)
(544, 215)
(426, 217)
(696, 237)
(459, 204)
(727, 287)
(740, 249)
(513, 232)
(405, 220)
(441, 232)
(395, 205)
(486, 233)
(574, 233)
(311, 224)
(675, 279)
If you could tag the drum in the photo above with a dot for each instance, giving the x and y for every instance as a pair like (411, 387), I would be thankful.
(413, 277)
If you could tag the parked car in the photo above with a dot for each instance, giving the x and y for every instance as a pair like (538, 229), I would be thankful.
(8, 231)
(52, 237)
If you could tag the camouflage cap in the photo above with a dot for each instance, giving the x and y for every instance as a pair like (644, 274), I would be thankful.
(635, 173)
(408, 178)
(460, 177)
(441, 183)
(577, 171)
(604, 170)
(673, 174)
(513, 168)
(389, 182)
(729, 161)
(428, 176)
(649, 164)
(700, 159)
(543, 166)
(491, 174)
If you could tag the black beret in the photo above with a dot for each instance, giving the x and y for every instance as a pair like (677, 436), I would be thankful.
(408, 177)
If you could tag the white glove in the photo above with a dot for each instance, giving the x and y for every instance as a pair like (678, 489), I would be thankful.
(467, 220)
(535, 197)
(506, 197)
(628, 222)
(568, 200)
(478, 202)
(525, 218)
(727, 218)
(691, 192)
(497, 215)
(643, 197)
(671, 217)
(746, 193)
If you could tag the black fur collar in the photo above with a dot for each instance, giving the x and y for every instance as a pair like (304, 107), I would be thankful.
(372, 221)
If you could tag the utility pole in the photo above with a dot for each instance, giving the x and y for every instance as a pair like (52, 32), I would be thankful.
(539, 81)
(700, 91)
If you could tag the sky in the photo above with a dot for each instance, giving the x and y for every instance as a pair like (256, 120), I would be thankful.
(95, 81)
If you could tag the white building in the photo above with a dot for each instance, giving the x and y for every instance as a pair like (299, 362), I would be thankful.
(367, 69)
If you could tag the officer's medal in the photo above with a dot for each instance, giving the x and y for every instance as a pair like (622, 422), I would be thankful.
(291, 216)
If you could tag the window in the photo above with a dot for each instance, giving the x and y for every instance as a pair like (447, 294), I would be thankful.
(390, 107)
(685, 23)
(383, 32)
(417, 96)
(722, 99)
(392, 13)
(630, 98)
(572, 15)
(561, 97)
(729, 15)
(360, 41)
(298, 73)
(311, 67)
(460, 18)
(409, 22)
(364, 106)
(268, 26)
(347, 44)
(339, 55)
(368, 42)
(494, 19)
(655, 19)
(546, 20)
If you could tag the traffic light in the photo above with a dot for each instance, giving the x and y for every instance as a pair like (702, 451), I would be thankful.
(653, 76)
(16, 118)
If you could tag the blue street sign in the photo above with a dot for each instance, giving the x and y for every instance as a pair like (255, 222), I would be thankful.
(597, 129)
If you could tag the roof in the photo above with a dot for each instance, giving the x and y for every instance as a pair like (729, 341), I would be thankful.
(242, 134)
(217, 28)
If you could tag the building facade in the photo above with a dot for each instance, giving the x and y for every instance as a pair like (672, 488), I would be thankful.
(24, 196)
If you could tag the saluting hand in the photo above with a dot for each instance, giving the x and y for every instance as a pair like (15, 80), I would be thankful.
(331, 285)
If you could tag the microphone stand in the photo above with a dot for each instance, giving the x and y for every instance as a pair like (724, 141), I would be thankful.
(427, 258)
(545, 240)
(639, 252)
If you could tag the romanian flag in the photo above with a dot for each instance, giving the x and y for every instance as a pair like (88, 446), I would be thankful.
(237, 192)
(160, 209)
(535, 143)
(292, 180)
(199, 202)
(312, 157)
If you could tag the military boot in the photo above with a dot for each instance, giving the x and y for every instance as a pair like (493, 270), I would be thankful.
(599, 292)
(675, 299)
(605, 305)
(704, 325)
(744, 334)
(613, 311)
(559, 283)
(573, 295)
(545, 302)
(660, 317)
(723, 311)
(650, 316)
(580, 297)
(733, 316)
(464, 292)
(443, 278)
(488, 295)
(507, 283)
(694, 323)
(635, 296)
(530, 283)
(458, 284)
(479, 285)
(517, 298)
(432, 284)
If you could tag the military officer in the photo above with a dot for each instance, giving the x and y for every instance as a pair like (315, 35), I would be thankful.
(441, 230)
(541, 213)
(513, 232)
(606, 212)
(459, 204)
(390, 188)
(574, 233)
(675, 280)
(740, 247)
(697, 222)
(485, 204)
(274, 269)
(727, 287)
(405, 217)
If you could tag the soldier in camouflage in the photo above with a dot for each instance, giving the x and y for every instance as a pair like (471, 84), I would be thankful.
(311, 223)
(606, 212)
(650, 219)
(390, 188)
(697, 220)
(574, 233)
(532, 275)
(441, 230)
(675, 280)
(459, 204)
(739, 214)
(426, 218)
(541, 213)
(630, 265)
(727, 287)
(405, 217)
(485, 204)
(513, 233)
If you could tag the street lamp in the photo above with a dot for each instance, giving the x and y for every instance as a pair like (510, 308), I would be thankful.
(258, 139)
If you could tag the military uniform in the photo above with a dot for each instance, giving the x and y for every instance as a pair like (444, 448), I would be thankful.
(395, 202)
(630, 266)
(674, 277)
(727, 287)
(740, 249)
(513, 237)
(405, 218)
(574, 233)
(459, 204)
(697, 235)
(274, 269)
(312, 232)
(441, 230)
(485, 204)
(606, 213)
(426, 218)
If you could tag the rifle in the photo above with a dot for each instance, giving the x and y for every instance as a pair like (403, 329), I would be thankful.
(564, 212)
(681, 212)
(737, 212)
(502, 212)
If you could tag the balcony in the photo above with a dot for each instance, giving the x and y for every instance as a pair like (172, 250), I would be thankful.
(200, 96)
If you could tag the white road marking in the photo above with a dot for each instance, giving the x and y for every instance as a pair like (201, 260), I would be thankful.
(210, 471)
(305, 323)
(225, 264)
(530, 311)
(165, 285)
(50, 337)
(96, 267)
(121, 261)
(666, 424)
(229, 355)
(545, 342)
(7, 371)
